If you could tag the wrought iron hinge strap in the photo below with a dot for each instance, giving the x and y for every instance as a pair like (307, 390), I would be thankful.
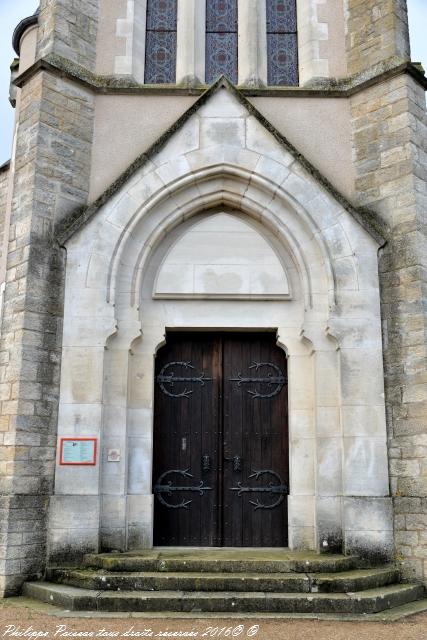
(278, 381)
(168, 489)
(165, 379)
(276, 489)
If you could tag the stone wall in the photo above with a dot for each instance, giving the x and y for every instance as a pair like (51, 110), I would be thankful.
(52, 171)
(4, 183)
(390, 146)
(68, 28)
(376, 30)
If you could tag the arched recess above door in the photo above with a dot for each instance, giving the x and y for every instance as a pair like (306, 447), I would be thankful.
(221, 256)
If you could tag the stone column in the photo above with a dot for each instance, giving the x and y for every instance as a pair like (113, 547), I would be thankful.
(140, 498)
(252, 43)
(115, 434)
(329, 441)
(190, 58)
(52, 168)
(302, 442)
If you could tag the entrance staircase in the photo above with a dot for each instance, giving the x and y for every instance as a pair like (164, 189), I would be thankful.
(228, 582)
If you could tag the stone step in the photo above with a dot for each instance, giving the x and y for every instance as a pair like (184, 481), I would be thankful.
(355, 580)
(369, 601)
(222, 561)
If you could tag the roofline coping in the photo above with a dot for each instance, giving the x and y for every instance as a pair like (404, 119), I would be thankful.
(368, 219)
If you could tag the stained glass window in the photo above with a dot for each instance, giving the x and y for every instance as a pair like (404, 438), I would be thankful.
(160, 43)
(282, 45)
(221, 39)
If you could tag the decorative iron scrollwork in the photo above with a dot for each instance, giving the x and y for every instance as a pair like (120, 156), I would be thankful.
(275, 382)
(165, 379)
(162, 488)
(280, 489)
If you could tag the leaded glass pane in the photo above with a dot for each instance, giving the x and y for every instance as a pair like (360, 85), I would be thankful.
(221, 56)
(282, 58)
(160, 58)
(221, 39)
(221, 16)
(160, 42)
(161, 15)
(281, 16)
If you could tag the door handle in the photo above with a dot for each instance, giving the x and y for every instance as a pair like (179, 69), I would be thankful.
(206, 463)
(237, 462)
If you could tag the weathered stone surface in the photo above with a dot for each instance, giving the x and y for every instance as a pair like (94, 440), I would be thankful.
(369, 601)
(51, 183)
(341, 582)
(4, 188)
(52, 166)
(68, 29)
(376, 30)
(390, 145)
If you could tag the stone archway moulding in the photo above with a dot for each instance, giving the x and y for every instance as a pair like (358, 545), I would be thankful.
(191, 202)
(222, 159)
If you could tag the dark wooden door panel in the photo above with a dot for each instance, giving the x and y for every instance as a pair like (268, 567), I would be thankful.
(220, 460)
(186, 429)
(255, 429)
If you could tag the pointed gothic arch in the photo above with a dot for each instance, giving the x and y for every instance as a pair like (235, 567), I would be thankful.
(330, 327)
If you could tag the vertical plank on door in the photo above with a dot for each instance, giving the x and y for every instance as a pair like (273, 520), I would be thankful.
(220, 419)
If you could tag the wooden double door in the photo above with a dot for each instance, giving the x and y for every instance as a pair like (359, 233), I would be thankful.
(220, 459)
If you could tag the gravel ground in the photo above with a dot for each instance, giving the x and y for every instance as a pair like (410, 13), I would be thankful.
(29, 623)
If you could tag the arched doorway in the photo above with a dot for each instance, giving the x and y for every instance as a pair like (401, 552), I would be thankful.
(127, 289)
(220, 459)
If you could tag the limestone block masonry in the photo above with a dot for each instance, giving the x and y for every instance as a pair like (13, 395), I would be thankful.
(52, 166)
(86, 304)
(4, 186)
(390, 147)
(376, 30)
(69, 29)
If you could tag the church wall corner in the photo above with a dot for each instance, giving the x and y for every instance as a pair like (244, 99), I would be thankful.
(69, 32)
(375, 31)
(51, 179)
(389, 145)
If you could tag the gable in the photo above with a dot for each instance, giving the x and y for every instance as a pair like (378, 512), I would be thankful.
(225, 117)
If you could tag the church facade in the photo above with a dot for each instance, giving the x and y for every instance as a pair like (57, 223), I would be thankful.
(214, 264)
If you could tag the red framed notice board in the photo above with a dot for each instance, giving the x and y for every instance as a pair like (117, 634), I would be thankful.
(77, 451)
